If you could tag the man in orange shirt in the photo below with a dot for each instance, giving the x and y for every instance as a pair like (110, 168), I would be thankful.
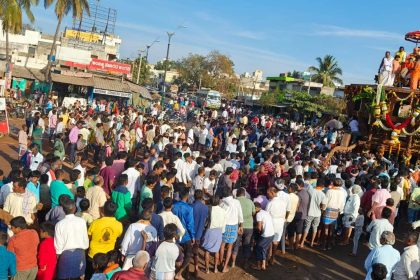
(415, 77)
(24, 244)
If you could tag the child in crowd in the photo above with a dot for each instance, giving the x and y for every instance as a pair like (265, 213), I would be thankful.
(80, 147)
(60, 126)
(90, 175)
(164, 193)
(47, 260)
(33, 184)
(44, 197)
(358, 230)
(100, 263)
(80, 194)
(83, 213)
(121, 143)
(113, 264)
(108, 148)
(74, 177)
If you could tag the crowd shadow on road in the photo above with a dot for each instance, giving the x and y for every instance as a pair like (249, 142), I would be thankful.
(7, 156)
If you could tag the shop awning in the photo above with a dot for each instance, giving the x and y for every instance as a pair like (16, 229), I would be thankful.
(111, 86)
(27, 73)
(110, 83)
(72, 80)
(144, 93)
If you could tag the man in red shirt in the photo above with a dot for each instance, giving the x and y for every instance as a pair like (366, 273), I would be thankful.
(24, 244)
(140, 262)
(47, 259)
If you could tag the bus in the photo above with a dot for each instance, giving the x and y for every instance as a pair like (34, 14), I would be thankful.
(207, 98)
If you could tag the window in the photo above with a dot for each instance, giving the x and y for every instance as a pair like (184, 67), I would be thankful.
(31, 51)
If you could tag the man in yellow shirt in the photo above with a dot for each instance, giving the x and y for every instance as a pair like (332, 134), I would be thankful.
(65, 116)
(104, 232)
(402, 54)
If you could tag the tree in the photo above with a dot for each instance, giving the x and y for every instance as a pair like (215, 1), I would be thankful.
(62, 8)
(11, 15)
(160, 65)
(219, 65)
(192, 69)
(303, 101)
(327, 72)
(271, 98)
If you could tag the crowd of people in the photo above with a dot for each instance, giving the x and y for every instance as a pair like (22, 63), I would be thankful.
(124, 195)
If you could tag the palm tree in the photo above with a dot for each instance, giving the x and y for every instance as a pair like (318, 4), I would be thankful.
(62, 8)
(11, 15)
(327, 71)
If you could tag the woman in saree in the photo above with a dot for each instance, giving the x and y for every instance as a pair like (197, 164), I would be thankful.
(37, 136)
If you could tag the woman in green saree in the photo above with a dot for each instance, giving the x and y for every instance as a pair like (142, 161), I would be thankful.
(37, 137)
(59, 150)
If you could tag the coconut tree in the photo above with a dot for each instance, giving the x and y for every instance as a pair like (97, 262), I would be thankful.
(328, 73)
(61, 9)
(11, 15)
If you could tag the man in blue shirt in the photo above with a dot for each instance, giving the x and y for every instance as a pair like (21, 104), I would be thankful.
(185, 213)
(8, 259)
(201, 213)
(384, 254)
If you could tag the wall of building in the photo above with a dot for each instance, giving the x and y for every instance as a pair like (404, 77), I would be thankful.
(31, 49)
(74, 55)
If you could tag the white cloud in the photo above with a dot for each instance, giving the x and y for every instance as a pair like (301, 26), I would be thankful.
(140, 27)
(337, 31)
(250, 35)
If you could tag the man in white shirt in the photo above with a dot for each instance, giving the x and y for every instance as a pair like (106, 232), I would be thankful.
(70, 242)
(232, 147)
(187, 169)
(133, 177)
(225, 114)
(409, 264)
(378, 226)
(170, 218)
(21, 202)
(136, 237)
(266, 229)
(35, 157)
(234, 223)
(82, 167)
(278, 207)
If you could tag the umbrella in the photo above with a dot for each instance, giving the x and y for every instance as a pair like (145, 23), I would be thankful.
(334, 124)
(413, 36)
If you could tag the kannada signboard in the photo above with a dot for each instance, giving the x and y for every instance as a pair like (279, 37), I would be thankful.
(112, 93)
(103, 65)
(83, 36)
(109, 66)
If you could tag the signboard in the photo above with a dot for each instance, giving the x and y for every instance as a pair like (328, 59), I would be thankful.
(75, 64)
(103, 65)
(76, 74)
(112, 93)
(109, 66)
(83, 36)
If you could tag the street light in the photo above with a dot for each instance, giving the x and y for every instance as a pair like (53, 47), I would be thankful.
(170, 34)
(149, 46)
(139, 69)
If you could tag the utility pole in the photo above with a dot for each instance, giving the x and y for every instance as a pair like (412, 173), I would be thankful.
(148, 47)
(170, 34)
(139, 69)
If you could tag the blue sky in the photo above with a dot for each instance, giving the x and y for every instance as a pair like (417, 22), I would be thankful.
(272, 35)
